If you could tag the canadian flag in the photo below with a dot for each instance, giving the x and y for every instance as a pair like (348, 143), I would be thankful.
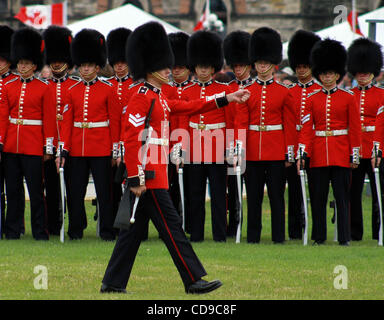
(203, 18)
(42, 16)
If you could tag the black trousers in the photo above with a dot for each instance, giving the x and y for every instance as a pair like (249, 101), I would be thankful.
(357, 185)
(100, 167)
(2, 199)
(16, 167)
(116, 194)
(257, 174)
(340, 179)
(156, 205)
(197, 183)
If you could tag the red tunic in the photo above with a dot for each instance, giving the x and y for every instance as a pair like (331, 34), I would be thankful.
(27, 117)
(369, 99)
(269, 121)
(208, 130)
(90, 127)
(331, 127)
(157, 156)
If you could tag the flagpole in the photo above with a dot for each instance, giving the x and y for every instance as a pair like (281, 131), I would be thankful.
(353, 19)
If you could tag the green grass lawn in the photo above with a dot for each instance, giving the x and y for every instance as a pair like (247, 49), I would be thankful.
(248, 272)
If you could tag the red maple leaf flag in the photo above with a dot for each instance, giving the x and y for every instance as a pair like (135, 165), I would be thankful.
(42, 16)
(354, 23)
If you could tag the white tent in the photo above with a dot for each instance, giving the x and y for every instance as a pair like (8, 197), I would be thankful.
(127, 16)
(342, 32)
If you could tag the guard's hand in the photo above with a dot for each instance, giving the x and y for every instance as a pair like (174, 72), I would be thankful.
(240, 96)
(47, 157)
(354, 165)
(118, 161)
(374, 161)
(288, 164)
(58, 163)
(179, 163)
(138, 191)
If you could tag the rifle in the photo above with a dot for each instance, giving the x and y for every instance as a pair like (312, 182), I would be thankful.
(304, 193)
(122, 220)
(378, 190)
(62, 189)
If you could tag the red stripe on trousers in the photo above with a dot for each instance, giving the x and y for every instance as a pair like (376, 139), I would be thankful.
(170, 235)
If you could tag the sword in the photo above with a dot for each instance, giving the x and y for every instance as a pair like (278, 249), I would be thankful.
(239, 193)
(62, 187)
(181, 185)
(378, 190)
(304, 193)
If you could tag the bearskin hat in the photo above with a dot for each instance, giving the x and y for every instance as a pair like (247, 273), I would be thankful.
(328, 55)
(265, 44)
(88, 46)
(205, 48)
(5, 44)
(179, 42)
(364, 55)
(28, 44)
(148, 50)
(116, 41)
(58, 45)
(300, 46)
(235, 48)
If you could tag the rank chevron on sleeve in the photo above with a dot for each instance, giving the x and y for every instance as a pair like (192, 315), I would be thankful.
(136, 120)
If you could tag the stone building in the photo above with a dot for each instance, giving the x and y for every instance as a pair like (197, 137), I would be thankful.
(283, 15)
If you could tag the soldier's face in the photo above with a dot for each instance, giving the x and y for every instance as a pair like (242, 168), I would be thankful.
(180, 73)
(329, 78)
(59, 68)
(4, 65)
(88, 71)
(26, 68)
(303, 71)
(120, 69)
(204, 73)
(364, 78)
(241, 71)
(264, 68)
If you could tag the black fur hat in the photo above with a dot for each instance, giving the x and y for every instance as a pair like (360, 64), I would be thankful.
(28, 44)
(265, 44)
(58, 45)
(116, 41)
(148, 50)
(364, 56)
(300, 46)
(179, 42)
(5, 44)
(205, 48)
(328, 55)
(88, 46)
(235, 47)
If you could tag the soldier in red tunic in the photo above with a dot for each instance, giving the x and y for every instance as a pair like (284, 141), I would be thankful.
(332, 134)
(269, 121)
(121, 81)
(5, 75)
(90, 133)
(27, 131)
(299, 50)
(235, 48)
(58, 57)
(155, 202)
(207, 137)
(365, 61)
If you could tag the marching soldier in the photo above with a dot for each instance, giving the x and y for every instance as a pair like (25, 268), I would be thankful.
(207, 137)
(299, 51)
(235, 48)
(178, 140)
(27, 132)
(365, 61)
(5, 75)
(121, 81)
(155, 202)
(269, 122)
(332, 134)
(58, 58)
(90, 133)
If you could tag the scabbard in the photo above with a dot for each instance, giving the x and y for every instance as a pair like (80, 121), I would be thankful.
(304, 193)
(378, 190)
(239, 212)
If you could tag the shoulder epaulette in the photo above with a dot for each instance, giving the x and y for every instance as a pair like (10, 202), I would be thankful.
(76, 78)
(14, 79)
(314, 92)
(134, 84)
(379, 86)
(224, 83)
(109, 78)
(348, 91)
(74, 85)
(106, 82)
(143, 90)
(43, 80)
(282, 84)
